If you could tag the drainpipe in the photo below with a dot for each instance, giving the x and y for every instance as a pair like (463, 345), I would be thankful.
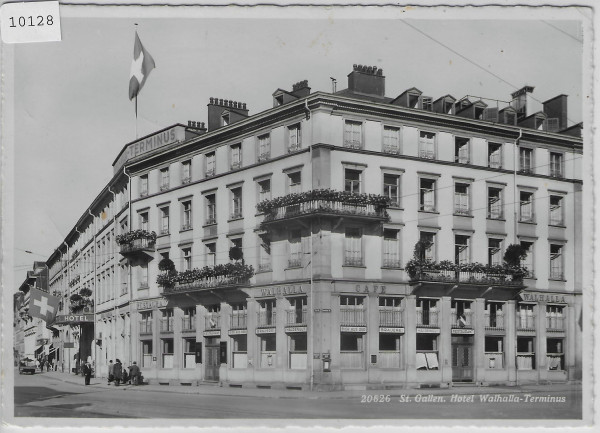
(69, 298)
(515, 238)
(129, 274)
(311, 311)
(115, 314)
(80, 325)
(95, 291)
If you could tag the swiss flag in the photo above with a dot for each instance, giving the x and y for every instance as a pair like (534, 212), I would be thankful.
(141, 66)
(43, 305)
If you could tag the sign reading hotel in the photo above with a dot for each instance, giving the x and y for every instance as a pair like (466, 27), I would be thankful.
(148, 304)
(74, 318)
(542, 297)
(149, 143)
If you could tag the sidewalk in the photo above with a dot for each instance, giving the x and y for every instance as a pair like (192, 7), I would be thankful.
(213, 389)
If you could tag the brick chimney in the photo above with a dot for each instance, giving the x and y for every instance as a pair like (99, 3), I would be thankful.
(556, 108)
(301, 89)
(223, 112)
(367, 80)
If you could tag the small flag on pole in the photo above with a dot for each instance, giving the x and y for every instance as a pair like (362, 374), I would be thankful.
(141, 66)
(43, 305)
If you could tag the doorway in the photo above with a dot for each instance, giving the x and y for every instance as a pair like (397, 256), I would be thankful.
(213, 360)
(462, 358)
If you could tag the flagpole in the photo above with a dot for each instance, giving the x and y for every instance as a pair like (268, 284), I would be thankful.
(136, 107)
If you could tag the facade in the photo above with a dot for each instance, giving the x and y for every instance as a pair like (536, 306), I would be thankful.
(335, 241)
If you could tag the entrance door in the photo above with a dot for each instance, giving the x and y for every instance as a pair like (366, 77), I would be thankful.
(462, 358)
(213, 360)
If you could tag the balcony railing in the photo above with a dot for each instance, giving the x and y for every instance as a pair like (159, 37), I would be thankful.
(391, 148)
(239, 320)
(295, 262)
(264, 156)
(206, 283)
(145, 327)
(166, 324)
(296, 317)
(494, 322)
(212, 321)
(464, 320)
(353, 260)
(264, 267)
(427, 318)
(392, 263)
(188, 323)
(266, 318)
(555, 323)
(390, 316)
(352, 316)
(138, 245)
(483, 276)
(525, 322)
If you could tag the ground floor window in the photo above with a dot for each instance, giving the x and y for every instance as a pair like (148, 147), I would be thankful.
(147, 353)
(268, 350)
(351, 350)
(427, 352)
(298, 349)
(239, 351)
(167, 352)
(389, 351)
(494, 352)
(189, 353)
(525, 353)
(555, 353)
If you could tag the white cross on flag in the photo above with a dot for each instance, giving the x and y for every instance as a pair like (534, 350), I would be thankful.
(141, 66)
(43, 305)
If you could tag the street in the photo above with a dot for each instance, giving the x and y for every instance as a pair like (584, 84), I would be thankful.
(46, 395)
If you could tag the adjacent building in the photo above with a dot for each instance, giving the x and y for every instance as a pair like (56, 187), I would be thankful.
(335, 241)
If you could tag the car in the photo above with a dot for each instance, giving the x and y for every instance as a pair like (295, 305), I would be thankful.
(28, 365)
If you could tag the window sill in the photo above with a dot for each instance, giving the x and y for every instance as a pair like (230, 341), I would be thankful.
(354, 266)
(163, 234)
(186, 230)
(429, 211)
(559, 226)
(209, 225)
(496, 219)
(395, 207)
(237, 218)
(290, 267)
(463, 215)
(560, 280)
(528, 222)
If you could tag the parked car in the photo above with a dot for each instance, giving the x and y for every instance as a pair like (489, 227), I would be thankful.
(28, 365)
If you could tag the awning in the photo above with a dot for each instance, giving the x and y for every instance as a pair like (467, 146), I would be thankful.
(39, 349)
(52, 349)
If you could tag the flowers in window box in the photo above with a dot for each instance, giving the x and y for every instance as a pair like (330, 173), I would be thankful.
(235, 270)
(129, 237)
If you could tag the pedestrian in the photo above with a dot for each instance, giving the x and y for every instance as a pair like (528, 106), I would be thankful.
(125, 376)
(117, 371)
(87, 372)
(134, 373)
(111, 369)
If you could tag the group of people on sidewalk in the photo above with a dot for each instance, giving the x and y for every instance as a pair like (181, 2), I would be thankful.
(116, 373)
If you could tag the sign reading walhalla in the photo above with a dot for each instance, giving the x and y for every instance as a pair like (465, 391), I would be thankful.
(282, 290)
(149, 143)
(543, 297)
(148, 304)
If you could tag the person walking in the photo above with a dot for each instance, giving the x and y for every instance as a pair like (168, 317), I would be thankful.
(87, 372)
(117, 371)
(111, 369)
(134, 373)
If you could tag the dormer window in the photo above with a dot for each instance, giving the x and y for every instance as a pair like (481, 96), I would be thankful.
(225, 118)
(479, 112)
(278, 100)
(427, 103)
(540, 123)
(510, 118)
(413, 100)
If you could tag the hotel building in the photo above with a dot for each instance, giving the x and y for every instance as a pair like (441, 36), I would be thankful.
(337, 240)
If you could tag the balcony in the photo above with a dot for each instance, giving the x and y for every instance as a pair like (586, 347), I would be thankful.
(166, 325)
(325, 202)
(352, 317)
(555, 323)
(525, 322)
(194, 280)
(390, 317)
(494, 322)
(136, 243)
(296, 317)
(266, 319)
(188, 324)
(212, 321)
(427, 318)
(464, 320)
(239, 320)
(145, 327)
(467, 273)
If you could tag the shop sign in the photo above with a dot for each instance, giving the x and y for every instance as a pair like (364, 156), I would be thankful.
(370, 288)
(212, 333)
(238, 332)
(74, 318)
(353, 329)
(295, 329)
(428, 330)
(265, 330)
(388, 330)
(148, 304)
(463, 331)
(543, 297)
(69, 345)
(282, 290)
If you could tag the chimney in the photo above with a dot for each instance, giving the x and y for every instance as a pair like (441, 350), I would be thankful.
(301, 89)
(223, 112)
(556, 108)
(367, 80)
(522, 102)
(194, 129)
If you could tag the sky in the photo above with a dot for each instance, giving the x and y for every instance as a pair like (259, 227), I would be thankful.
(73, 116)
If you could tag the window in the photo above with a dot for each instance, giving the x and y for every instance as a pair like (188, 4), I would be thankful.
(239, 345)
(556, 164)
(186, 210)
(166, 321)
(427, 145)
(236, 156)
(146, 353)
(391, 188)
(189, 353)
(297, 312)
(461, 150)
(526, 159)
(264, 254)
(427, 103)
(225, 118)
(461, 249)
(164, 220)
(238, 316)
(391, 139)
(266, 312)
(494, 252)
(555, 318)
(189, 319)
(556, 264)
(295, 139)
(167, 352)
(494, 315)
(164, 178)
(461, 314)
(555, 356)
(143, 185)
(186, 172)
(427, 195)
(527, 262)
(495, 155)
(211, 164)
(429, 239)
(351, 342)
(353, 247)
(294, 182)
(352, 180)
(268, 350)
(352, 310)
(556, 211)
(427, 352)
(264, 190)
(526, 206)
(494, 203)
(413, 100)
(461, 199)
(391, 249)
(295, 257)
(525, 353)
(298, 346)
(211, 209)
(142, 275)
(494, 352)
(186, 254)
(211, 253)
(264, 147)
(353, 134)
(236, 202)
(143, 220)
